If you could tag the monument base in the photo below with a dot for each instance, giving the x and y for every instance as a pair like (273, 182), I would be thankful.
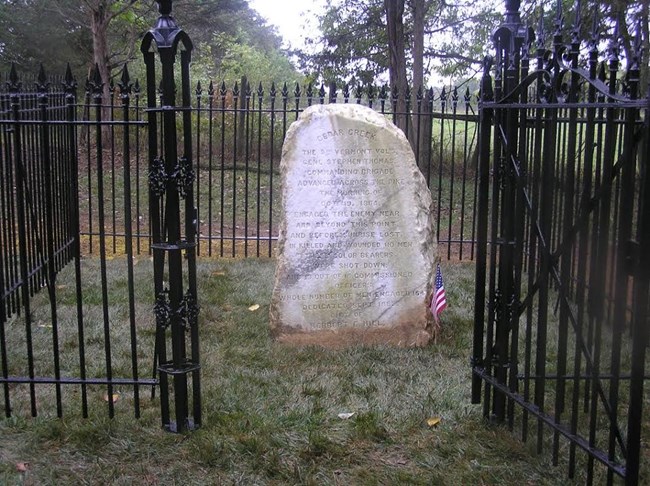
(405, 335)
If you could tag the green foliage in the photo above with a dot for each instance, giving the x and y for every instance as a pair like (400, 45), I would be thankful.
(354, 43)
(230, 39)
(227, 59)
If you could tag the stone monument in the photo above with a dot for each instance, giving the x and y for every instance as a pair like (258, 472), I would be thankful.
(356, 248)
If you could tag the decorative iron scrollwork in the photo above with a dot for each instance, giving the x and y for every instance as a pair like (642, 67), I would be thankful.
(183, 176)
(188, 310)
(162, 310)
(157, 177)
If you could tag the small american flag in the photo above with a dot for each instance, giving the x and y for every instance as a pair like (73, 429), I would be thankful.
(438, 299)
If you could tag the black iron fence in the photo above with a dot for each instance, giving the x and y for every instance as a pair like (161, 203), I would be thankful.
(561, 322)
(237, 143)
(45, 133)
(107, 174)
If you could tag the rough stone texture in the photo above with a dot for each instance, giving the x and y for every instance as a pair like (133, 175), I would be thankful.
(356, 249)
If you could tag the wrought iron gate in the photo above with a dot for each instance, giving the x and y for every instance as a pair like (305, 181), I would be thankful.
(561, 318)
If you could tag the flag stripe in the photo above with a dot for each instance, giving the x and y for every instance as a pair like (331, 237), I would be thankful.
(439, 298)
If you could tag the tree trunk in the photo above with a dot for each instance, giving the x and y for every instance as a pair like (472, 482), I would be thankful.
(397, 58)
(99, 20)
(422, 122)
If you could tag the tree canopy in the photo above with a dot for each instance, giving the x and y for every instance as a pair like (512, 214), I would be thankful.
(445, 38)
(229, 36)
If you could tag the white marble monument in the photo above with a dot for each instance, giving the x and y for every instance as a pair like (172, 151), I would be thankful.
(356, 249)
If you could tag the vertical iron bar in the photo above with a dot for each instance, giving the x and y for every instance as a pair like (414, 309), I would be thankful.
(247, 133)
(191, 234)
(454, 111)
(20, 175)
(97, 85)
(71, 118)
(210, 162)
(443, 104)
(125, 95)
(111, 113)
(160, 351)
(623, 239)
(639, 326)
(222, 209)
(271, 164)
(485, 134)
(49, 234)
(258, 209)
(566, 260)
(235, 147)
(199, 210)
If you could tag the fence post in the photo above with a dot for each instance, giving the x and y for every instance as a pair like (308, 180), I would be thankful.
(171, 180)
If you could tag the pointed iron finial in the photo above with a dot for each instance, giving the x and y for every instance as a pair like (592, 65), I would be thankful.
(199, 89)
(235, 90)
(260, 90)
(13, 84)
(136, 87)
(297, 91)
(285, 91)
(41, 80)
(273, 92)
(95, 83)
(211, 89)
(358, 92)
(69, 83)
(125, 84)
(383, 93)
(371, 92)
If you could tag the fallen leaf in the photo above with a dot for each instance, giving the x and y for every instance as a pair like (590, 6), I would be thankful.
(45, 326)
(62, 286)
(116, 397)
(254, 307)
(345, 415)
(22, 466)
(433, 421)
(218, 274)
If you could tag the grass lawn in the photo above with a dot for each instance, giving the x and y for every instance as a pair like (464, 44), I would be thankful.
(271, 412)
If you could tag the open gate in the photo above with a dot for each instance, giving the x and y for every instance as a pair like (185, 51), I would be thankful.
(561, 318)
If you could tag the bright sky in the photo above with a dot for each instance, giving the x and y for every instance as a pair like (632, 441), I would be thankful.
(290, 17)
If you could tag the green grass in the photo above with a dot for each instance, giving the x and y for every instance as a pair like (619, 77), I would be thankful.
(271, 411)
